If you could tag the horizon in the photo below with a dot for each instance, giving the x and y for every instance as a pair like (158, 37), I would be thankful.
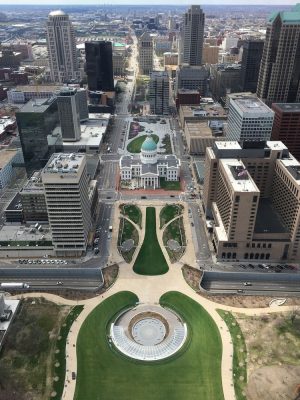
(144, 3)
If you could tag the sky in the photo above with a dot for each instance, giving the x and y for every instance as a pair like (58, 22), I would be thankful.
(137, 2)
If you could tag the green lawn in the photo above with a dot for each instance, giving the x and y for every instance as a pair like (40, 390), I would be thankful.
(169, 185)
(133, 212)
(135, 145)
(192, 374)
(150, 260)
(169, 212)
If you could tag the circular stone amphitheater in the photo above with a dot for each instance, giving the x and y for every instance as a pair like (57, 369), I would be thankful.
(148, 333)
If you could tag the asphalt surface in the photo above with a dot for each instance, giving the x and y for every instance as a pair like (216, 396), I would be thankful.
(273, 284)
(49, 277)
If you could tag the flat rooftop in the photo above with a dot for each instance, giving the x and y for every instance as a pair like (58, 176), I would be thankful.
(267, 219)
(38, 105)
(64, 163)
(41, 88)
(230, 145)
(251, 105)
(17, 233)
(198, 129)
(34, 184)
(288, 107)
(6, 156)
(238, 176)
(204, 110)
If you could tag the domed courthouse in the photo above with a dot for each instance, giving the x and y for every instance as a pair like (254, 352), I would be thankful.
(148, 167)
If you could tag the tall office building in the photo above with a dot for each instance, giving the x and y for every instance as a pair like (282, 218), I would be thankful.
(193, 35)
(69, 116)
(65, 182)
(252, 194)
(279, 75)
(249, 119)
(145, 54)
(251, 58)
(286, 126)
(99, 66)
(192, 78)
(159, 92)
(36, 120)
(61, 48)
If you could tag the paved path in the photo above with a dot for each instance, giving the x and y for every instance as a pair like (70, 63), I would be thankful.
(149, 289)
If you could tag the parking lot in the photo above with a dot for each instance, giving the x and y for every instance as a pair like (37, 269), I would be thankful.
(42, 261)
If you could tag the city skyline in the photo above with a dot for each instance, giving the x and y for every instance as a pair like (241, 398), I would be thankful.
(143, 2)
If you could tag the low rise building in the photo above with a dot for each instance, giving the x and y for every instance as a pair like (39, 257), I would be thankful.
(33, 200)
(207, 110)
(202, 134)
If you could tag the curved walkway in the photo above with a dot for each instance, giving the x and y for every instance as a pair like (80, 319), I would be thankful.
(149, 289)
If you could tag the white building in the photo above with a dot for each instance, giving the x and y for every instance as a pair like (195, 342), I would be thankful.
(147, 168)
(145, 54)
(61, 48)
(248, 119)
(159, 92)
(7, 159)
(193, 35)
(66, 189)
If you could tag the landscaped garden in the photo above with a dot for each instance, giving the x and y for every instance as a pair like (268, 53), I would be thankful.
(169, 212)
(135, 145)
(32, 362)
(150, 260)
(132, 212)
(193, 373)
(128, 239)
(174, 239)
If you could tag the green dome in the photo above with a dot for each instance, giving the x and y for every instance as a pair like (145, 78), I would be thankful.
(149, 144)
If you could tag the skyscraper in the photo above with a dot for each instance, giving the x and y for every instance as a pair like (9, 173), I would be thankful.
(61, 48)
(159, 92)
(36, 120)
(145, 54)
(193, 34)
(69, 116)
(279, 75)
(65, 182)
(99, 66)
(252, 53)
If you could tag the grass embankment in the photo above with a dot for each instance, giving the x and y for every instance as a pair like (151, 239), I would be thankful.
(192, 374)
(135, 145)
(150, 260)
(60, 357)
(239, 367)
(28, 356)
